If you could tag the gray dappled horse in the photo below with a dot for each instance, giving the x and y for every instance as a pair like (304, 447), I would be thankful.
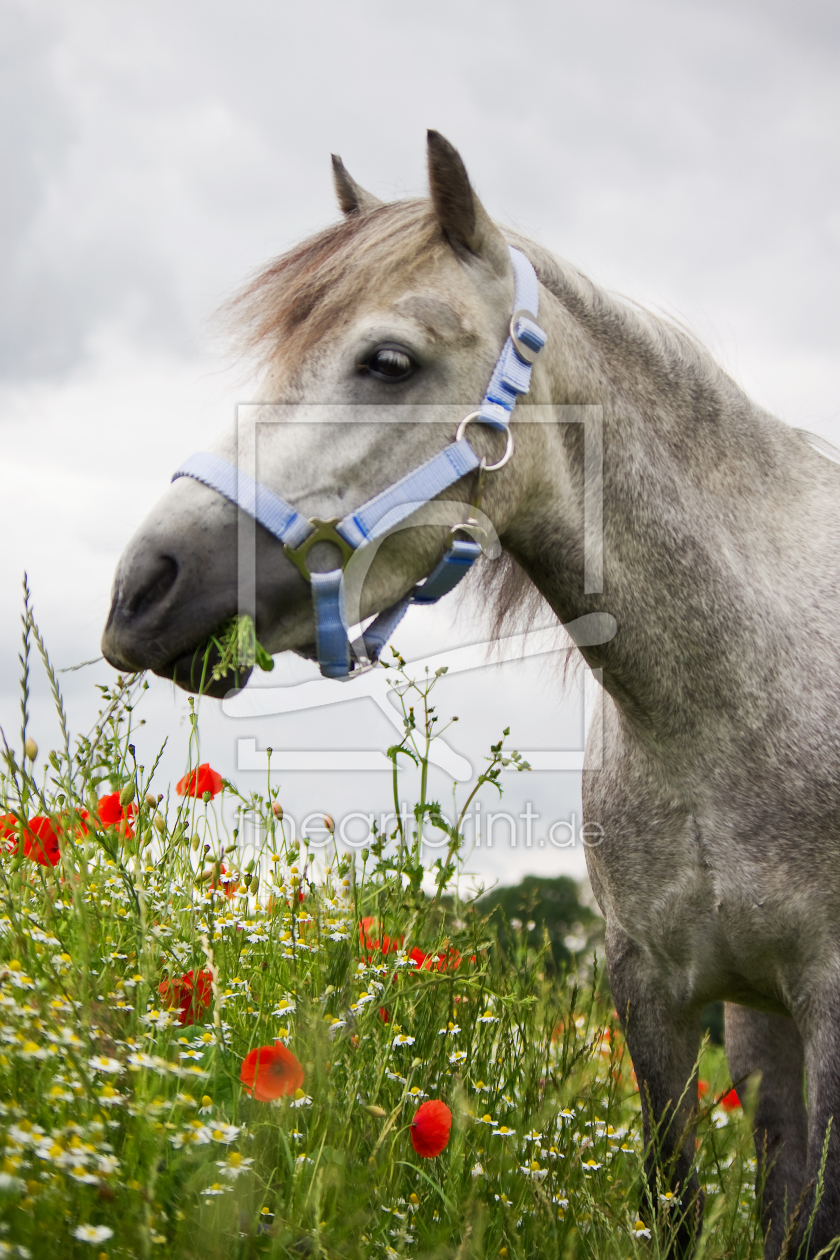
(715, 772)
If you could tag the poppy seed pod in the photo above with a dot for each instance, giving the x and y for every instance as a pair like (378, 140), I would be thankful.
(30, 748)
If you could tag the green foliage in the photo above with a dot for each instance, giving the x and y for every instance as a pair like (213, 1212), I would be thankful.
(126, 1130)
(548, 908)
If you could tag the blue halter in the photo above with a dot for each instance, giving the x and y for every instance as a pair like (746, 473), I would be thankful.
(383, 513)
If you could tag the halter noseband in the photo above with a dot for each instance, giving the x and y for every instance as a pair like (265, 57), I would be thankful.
(383, 513)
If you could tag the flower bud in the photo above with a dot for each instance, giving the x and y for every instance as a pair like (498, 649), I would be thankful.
(255, 885)
(277, 810)
(378, 1113)
(194, 843)
(150, 800)
(160, 823)
(30, 748)
(127, 794)
(329, 824)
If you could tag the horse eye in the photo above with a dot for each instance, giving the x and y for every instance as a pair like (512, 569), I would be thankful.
(389, 364)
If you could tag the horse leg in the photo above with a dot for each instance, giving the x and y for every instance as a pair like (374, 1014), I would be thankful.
(820, 1029)
(663, 1038)
(771, 1045)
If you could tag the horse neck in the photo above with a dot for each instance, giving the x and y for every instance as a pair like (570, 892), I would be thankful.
(697, 490)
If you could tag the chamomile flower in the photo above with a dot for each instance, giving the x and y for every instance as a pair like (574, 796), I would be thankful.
(234, 1165)
(93, 1233)
(102, 1063)
(534, 1171)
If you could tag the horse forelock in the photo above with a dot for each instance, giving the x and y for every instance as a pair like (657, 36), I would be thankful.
(294, 301)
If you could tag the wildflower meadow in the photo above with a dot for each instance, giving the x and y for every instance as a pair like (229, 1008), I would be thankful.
(213, 1051)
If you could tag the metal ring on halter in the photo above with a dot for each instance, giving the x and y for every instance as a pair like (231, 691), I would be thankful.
(476, 415)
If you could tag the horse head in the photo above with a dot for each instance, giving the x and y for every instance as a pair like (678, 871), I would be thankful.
(374, 337)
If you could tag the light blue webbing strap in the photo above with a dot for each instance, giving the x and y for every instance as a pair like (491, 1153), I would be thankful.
(420, 486)
(267, 508)
(512, 373)
(455, 564)
(331, 638)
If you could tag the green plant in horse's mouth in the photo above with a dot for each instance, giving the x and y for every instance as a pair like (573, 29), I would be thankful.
(232, 647)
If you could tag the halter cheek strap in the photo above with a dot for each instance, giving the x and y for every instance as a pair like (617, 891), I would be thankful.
(382, 514)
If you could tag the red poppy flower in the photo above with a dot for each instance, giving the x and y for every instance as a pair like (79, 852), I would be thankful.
(41, 842)
(386, 945)
(199, 781)
(384, 1014)
(113, 814)
(430, 1128)
(448, 960)
(270, 1072)
(730, 1101)
(8, 832)
(702, 1088)
(192, 992)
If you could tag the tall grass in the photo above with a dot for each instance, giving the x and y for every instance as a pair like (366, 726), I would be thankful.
(126, 1128)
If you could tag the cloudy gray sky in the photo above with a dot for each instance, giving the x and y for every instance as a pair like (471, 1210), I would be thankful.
(154, 154)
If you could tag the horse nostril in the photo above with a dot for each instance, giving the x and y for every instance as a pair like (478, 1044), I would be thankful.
(157, 586)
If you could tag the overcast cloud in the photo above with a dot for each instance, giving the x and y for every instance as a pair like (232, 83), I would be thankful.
(154, 154)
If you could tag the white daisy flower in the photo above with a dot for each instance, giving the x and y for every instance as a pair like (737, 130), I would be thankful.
(533, 1171)
(102, 1063)
(225, 1133)
(234, 1165)
(93, 1233)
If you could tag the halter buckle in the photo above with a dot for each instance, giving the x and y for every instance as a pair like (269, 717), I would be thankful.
(322, 531)
(528, 354)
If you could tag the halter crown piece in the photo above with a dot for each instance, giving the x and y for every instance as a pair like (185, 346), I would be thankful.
(383, 513)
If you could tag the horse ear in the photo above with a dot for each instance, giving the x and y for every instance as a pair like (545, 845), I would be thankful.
(465, 223)
(351, 196)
